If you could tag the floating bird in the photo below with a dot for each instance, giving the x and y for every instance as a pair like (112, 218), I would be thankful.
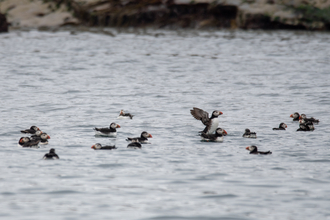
(37, 134)
(282, 126)
(51, 155)
(27, 142)
(134, 145)
(110, 132)
(100, 147)
(309, 124)
(303, 116)
(295, 116)
(211, 123)
(216, 137)
(254, 150)
(249, 134)
(143, 139)
(123, 115)
(43, 138)
(32, 130)
(305, 126)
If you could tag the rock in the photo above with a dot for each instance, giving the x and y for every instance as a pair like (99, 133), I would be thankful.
(27, 13)
(247, 14)
(3, 23)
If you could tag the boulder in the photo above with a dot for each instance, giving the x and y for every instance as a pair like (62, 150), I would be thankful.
(3, 23)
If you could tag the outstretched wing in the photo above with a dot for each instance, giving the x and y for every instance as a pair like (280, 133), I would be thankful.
(200, 114)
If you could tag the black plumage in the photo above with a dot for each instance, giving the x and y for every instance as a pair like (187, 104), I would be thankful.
(110, 129)
(27, 142)
(217, 136)
(98, 146)
(210, 123)
(32, 130)
(134, 145)
(124, 114)
(249, 134)
(143, 139)
(295, 116)
(51, 155)
(282, 126)
(254, 150)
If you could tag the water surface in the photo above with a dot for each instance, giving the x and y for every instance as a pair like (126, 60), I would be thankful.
(66, 83)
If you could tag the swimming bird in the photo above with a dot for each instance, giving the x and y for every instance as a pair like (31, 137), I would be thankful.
(282, 126)
(305, 126)
(37, 134)
(43, 138)
(100, 147)
(32, 130)
(303, 116)
(254, 150)
(143, 139)
(51, 155)
(27, 142)
(122, 114)
(295, 116)
(111, 131)
(210, 123)
(249, 134)
(216, 137)
(134, 145)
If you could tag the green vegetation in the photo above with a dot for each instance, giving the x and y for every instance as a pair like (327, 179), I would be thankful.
(311, 13)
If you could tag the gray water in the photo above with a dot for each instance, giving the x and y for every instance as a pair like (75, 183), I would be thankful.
(66, 83)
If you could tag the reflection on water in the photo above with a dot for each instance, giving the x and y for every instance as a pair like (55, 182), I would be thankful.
(66, 84)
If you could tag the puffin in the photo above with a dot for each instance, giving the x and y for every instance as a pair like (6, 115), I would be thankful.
(216, 137)
(295, 116)
(143, 139)
(282, 126)
(210, 123)
(32, 130)
(123, 115)
(37, 134)
(224, 132)
(254, 150)
(27, 142)
(306, 126)
(134, 145)
(309, 124)
(249, 134)
(111, 131)
(100, 147)
(303, 116)
(43, 138)
(51, 155)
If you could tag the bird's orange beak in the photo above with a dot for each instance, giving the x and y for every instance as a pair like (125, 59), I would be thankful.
(220, 113)
(291, 116)
(150, 136)
(38, 128)
(21, 140)
(299, 117)
(224, 131)
(247, 148)
(93, 146)
(48, 137)
(118, 126)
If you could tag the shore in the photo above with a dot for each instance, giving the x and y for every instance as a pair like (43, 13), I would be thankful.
(199, 14)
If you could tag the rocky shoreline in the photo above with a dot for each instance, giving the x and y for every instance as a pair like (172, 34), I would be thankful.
(199, 14)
